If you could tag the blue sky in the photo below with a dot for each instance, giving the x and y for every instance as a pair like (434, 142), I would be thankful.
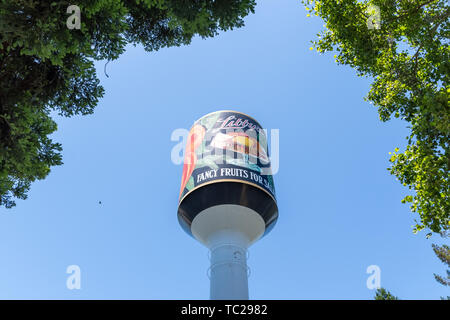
(340, 209)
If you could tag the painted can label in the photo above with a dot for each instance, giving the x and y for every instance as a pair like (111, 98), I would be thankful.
(226, 146)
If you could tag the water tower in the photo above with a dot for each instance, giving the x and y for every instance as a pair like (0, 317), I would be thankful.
(227, 197)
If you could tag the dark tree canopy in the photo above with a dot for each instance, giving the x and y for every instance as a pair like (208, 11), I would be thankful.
(443, 254)
(383, 294)
(407, 55)
(45, 66)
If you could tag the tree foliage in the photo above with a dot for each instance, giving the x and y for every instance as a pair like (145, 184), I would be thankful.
(46, 67)
(443, 254)
(383, 294)
(407, 55)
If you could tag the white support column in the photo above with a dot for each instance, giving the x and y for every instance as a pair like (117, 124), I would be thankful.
(228, 271)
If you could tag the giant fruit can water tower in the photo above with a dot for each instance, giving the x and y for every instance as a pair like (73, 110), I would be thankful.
(227, 197)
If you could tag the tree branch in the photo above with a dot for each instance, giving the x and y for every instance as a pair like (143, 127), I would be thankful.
(407, 13)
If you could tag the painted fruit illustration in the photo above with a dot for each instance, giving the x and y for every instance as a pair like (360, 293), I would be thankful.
(195, 139)
(240, 142)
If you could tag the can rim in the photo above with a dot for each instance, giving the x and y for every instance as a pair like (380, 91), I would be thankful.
(226, 180)
(227, 110)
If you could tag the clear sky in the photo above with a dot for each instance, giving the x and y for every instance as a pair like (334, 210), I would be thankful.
(340, 209)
